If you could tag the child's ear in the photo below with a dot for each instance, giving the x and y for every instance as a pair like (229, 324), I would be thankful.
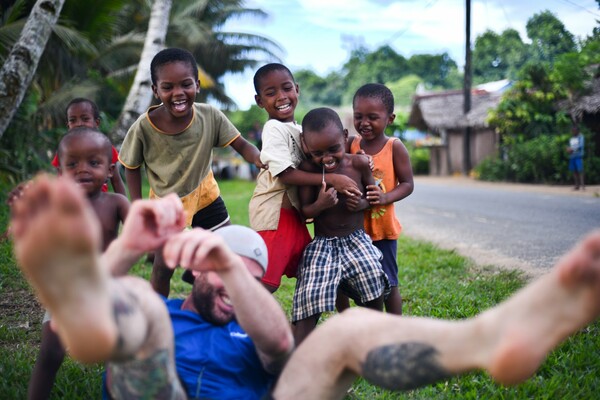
(98, 121)
(258, 101)
(155, 92)
(111, 171)
(59, 171)
(391, 118)
(198, 86)
(345, 135)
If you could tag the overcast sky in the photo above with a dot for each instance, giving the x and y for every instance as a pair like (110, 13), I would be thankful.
(318, 34)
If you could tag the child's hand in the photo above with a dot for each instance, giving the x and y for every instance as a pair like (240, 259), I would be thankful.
(259, 164)
(343, 184)
(327, 197)
(356, 203)
(375, 196)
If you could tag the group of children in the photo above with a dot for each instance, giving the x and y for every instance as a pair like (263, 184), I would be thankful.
(314, 171)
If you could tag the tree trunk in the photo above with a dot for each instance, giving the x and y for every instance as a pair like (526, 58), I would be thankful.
(140, 94)
(20, 66)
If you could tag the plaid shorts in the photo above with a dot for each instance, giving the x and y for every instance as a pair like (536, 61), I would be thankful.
(350, 262)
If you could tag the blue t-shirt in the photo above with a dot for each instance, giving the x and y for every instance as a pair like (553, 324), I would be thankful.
(216, 362)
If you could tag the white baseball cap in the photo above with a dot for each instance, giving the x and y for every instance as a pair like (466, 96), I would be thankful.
(244, 242)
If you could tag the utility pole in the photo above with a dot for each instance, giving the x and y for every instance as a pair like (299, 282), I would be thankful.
(467, 91)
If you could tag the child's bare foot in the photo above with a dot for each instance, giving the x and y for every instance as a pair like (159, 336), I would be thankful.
(56, 243)
(543, 314)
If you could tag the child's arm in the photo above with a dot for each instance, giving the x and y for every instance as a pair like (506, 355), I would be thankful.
(123, 207)
(341, 183)
(356, 203)
(403, 171)
(117, 182)
(134, 182)
(248, 151)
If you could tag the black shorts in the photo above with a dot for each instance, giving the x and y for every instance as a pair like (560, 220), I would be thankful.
(212, 216)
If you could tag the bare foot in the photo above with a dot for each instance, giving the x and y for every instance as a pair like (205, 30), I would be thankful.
(56, 243)
(538, 318)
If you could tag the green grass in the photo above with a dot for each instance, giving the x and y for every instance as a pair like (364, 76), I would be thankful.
(433, 282)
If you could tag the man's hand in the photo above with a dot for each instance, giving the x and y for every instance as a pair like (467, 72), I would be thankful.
(151, 222)
(199, 250)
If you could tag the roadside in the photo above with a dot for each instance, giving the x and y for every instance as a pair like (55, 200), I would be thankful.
(427, 220)
(567, 190)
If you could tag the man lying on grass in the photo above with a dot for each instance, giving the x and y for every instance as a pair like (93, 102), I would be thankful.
(56, 243)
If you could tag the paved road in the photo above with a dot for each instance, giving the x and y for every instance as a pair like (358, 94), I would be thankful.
(513, 226)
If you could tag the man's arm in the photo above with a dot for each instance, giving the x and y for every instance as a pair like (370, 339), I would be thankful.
(134, 182)
(256, 309)
(148, 225)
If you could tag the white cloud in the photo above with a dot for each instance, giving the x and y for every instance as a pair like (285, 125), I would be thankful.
(312, 31)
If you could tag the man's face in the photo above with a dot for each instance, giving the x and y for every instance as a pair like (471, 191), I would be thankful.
(210, 298)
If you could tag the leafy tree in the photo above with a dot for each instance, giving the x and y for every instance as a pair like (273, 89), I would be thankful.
(317, 91)
(434, 69)
(382, 65)
(549, 37)
(248, 120)
(497, 57)
(404, 90)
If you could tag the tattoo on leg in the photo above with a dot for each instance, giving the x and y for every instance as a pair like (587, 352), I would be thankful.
(123, 307)
(403, 366)
(144, 379)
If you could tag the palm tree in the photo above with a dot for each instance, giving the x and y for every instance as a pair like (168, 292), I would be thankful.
(196, 25)
(140, 94)
(19, 67)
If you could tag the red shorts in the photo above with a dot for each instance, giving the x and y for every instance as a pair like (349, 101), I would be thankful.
(285, 246)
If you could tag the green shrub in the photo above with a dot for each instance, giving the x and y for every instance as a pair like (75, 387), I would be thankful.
(539, 160)
(419, 159)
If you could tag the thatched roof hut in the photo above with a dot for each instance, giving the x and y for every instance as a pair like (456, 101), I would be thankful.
(586, 107)
(434, 112)
(441, 114)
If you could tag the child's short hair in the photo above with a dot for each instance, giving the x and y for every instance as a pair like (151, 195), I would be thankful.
(79, 100)
(377, 91)
(169, 55)
(267, 69)
(85, 130)
(320, 118)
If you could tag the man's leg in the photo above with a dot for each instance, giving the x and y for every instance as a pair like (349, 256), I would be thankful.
(57, 241)
(509, 341)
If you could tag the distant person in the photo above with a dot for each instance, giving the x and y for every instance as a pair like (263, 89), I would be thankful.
(373, 107)
(85, 156)
(174, 141)
(274, 209)
(575, 151)
(341, 255)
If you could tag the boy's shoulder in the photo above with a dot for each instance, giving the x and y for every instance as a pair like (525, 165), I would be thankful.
(111, 199)
(357, 161)
(276, 127)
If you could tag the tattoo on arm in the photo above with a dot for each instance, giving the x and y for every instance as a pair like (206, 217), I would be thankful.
(404, 366)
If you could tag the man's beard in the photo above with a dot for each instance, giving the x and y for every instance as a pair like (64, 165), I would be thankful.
(203, 297)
